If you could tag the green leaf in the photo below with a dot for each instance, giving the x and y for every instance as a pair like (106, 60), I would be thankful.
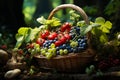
(81, 23)
(32, 34)
(22, 30)
(108, 24)
(100, 20)
(103, 38)
(19, 39)
(55, 22)
(26, 35)
(95, 25)
(41, 20)
(85, 29)
(104, 29)
(21, 36)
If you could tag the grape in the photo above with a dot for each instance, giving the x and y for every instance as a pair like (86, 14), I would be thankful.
(54, 51)
(52, 45)
(74, 44)
(61, 52)
(29, 50)
(37, 50)
(33, 51)
(50, 50)
(65, 51)
(43, 51)
(49, 55)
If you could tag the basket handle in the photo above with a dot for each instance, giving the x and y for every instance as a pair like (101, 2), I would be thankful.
(80, 10)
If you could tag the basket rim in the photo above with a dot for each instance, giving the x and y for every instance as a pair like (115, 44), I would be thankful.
(86, 53)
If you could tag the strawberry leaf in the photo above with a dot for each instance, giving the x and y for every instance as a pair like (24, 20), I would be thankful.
(100, 20)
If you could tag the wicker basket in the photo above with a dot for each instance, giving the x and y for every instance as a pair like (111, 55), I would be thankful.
(71, 62)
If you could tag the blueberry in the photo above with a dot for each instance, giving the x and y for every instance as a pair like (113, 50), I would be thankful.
(75, 50)
(57, 48)
(70, 50)
(64, 45)
(50, 41)
(77, 29)
(68, 47)
(79, 49)
(58, 53)
(61, 47)
(54, 40)
(79, 40)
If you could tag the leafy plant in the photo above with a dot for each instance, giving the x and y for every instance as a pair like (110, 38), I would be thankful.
(92, 70)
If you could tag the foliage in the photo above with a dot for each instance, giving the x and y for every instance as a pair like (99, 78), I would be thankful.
(28, 10)
(112, 7)
(92, 70)
(27, 34)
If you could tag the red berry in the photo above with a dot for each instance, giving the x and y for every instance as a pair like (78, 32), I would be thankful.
(30, 46)
(4, 46)
(45, 34)
(58, 43)
(60, 35)
(63, 39)
(65, 26)
(40, 41)
(20, 52)
(67, 36)
(50, 37)
(54, 34)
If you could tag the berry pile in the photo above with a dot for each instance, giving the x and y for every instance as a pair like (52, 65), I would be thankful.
(66, 39)
(109, 62)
